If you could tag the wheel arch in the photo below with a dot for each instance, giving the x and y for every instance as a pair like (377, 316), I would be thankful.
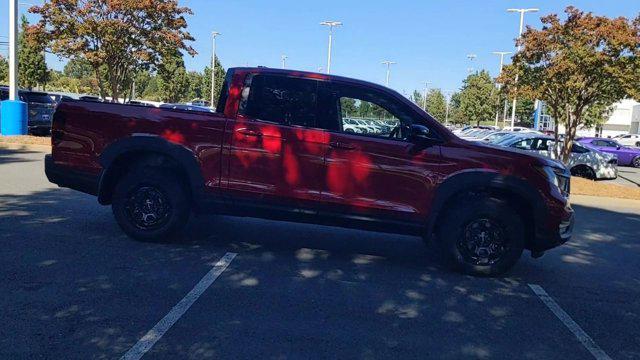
(121, 155)
(517, 192)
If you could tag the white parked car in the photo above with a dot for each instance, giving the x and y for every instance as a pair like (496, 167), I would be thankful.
(584, 160)
(629, 139)
(517, 129)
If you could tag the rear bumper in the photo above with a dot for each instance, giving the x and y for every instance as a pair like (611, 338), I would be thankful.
(64, 176)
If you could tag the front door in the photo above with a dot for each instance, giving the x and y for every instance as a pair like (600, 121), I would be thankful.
(276, 155)
(372, 167)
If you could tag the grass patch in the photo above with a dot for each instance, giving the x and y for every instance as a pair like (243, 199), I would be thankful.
(580, 186)
(26, 140)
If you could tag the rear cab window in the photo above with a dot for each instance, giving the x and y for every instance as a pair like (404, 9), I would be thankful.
(281, 99)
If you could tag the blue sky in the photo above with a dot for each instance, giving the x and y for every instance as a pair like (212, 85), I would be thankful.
(428, 39)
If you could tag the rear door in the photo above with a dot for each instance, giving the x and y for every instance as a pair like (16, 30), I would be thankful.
(377, 173)
(276, 155)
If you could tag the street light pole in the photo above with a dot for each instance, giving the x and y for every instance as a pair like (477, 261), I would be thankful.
(331, 25)
(13, 111)
(388, 63)
(213, 64)
(448, 97)
(13, 50)
(471, 57)
(501, 54)
(284, 58)
(424, 99)
(522, 12)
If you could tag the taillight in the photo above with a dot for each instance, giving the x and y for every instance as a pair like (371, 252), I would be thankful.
(57, 127)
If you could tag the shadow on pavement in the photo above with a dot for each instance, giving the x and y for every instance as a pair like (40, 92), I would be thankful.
(76, 285)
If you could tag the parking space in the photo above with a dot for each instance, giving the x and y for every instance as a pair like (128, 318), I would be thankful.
(77, 288)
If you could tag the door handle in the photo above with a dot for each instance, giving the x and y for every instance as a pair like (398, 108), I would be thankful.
(343, 146)
(248, 132)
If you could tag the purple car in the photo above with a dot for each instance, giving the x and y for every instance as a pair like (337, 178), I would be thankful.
(626, 155)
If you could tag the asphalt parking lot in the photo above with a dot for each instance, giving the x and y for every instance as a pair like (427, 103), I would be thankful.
(75, 287)
(628, 176)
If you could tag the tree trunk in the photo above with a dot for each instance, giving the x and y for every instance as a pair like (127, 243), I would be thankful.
(570, 134)
(103, 93)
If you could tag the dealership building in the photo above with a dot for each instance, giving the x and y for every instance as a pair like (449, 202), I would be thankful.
(623, 119)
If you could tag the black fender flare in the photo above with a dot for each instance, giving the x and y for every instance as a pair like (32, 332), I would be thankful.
(153, 144)
(483, 180)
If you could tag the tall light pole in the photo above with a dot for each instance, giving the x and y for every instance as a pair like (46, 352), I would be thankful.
(522, 12)
(388, 63)
(213, 64)
(501, 54)
(448, 98)
(284, 58)
(331, 25)
(471, 57)
(424, 99)
(13, 111)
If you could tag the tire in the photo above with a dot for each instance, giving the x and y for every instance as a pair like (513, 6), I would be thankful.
(638, 144)
(636, 162)
(151, 204)
(469, 223)
(583, 171)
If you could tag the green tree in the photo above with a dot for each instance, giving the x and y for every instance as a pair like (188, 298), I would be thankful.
(78, 69)
(4, 70)
(417, 98)
(118, 38)
(478, 98)
(32, 67)
(437, 104)
(152, 89)
(348, 107)
(173, 82)
(206, 84)
(576, 65)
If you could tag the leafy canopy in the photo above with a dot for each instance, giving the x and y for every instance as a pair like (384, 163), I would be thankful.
(123, 36)
(578, 66)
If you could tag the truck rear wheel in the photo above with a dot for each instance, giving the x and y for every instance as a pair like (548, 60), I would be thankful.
(150, 204)
(481, 236)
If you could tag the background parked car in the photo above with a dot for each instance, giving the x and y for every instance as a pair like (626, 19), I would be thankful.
(584, 161)
(629, 139)
(40, 108)
(626, 155)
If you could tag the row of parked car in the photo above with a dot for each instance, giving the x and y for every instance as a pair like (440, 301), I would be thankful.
(591, 157)
(367, 126)
(41, 106)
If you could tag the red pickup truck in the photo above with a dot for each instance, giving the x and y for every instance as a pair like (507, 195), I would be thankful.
(316, 148)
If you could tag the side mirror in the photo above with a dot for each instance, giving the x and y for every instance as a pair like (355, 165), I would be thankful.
(421, 133)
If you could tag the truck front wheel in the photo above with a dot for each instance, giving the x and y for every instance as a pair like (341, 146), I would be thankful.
(481, 236)
(150, 204)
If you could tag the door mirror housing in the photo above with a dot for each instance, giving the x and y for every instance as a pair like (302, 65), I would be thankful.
(421, 133)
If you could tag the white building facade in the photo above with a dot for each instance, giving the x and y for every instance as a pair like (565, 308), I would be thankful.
(623, 119)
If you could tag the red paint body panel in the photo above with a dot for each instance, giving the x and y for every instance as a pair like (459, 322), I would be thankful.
(301, 167)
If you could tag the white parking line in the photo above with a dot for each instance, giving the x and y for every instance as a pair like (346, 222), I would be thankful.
(150, 338)
(582, 336)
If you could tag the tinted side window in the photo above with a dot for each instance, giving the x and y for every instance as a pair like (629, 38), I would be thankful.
(4, 95)
(577, 149)
(523, 144)
(283, 100)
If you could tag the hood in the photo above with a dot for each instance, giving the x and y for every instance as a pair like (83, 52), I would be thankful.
(534, 158)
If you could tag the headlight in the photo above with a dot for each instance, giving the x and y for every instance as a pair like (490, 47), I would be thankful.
(558, 177)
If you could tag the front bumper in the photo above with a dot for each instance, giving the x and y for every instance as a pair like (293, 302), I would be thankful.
(557, 235)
